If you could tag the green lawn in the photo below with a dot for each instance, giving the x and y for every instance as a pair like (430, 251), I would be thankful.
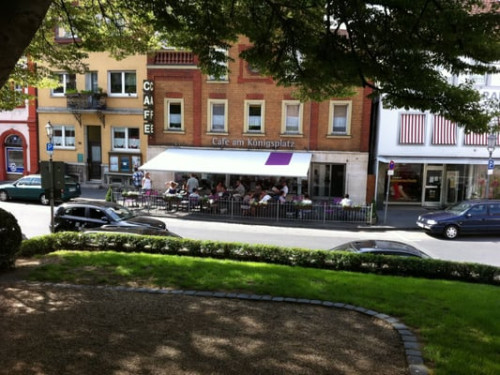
(457, 323)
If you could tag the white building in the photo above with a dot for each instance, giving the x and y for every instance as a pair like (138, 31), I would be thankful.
(435, 162)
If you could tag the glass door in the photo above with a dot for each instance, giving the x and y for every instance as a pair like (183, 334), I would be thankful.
(433, 185)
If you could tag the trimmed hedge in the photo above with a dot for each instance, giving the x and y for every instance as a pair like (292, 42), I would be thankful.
(331, 260)
(10, 239)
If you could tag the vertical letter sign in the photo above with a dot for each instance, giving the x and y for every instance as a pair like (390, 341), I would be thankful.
(148, 106)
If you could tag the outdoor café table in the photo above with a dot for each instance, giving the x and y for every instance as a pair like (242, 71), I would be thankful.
(172, 200)
(131, 197)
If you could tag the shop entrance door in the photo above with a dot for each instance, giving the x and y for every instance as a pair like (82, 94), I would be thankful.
(433, 185)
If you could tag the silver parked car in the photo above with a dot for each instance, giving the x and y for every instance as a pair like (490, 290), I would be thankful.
(381, 247)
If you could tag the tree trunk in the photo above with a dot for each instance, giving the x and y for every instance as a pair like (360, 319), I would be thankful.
(19, 21)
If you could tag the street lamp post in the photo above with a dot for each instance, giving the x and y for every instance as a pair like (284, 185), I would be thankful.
(50, 150)
(492, 140)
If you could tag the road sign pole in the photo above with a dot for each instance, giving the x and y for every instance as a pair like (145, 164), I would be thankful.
(390, 172)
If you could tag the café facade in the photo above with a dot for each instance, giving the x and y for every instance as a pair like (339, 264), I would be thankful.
(243, 126)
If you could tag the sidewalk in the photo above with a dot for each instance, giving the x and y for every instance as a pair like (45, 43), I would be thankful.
(398, 217)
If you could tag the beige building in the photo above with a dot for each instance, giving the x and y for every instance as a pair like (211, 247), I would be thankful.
(97, 119)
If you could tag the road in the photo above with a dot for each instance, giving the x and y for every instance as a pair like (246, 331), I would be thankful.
(34, 220)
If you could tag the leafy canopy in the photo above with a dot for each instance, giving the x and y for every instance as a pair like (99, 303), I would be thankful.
(405, 50)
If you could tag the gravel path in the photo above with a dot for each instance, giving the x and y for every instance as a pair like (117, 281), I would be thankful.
(53, 330)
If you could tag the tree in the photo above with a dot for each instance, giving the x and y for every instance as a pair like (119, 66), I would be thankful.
(403, 49)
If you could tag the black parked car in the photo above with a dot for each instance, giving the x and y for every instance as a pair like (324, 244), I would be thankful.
(94, 215)
(381, 247)
(467, 217)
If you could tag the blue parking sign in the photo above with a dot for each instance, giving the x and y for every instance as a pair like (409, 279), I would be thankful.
(50, 146)
(491, 164)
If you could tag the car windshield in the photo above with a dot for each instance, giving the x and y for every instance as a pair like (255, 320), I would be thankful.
(119, 213)
(459, 208)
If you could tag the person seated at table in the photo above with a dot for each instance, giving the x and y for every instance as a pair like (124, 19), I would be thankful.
(264, 198)
(220, 188)
(282, 197)
(306, 201)
(171, 188)
(239, 189)
(194, 194)
(346, 202)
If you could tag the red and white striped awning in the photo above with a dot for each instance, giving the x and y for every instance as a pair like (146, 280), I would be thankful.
(444, 131)
(478, 139)
(412, 129)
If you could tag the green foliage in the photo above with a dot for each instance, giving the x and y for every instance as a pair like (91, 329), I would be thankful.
(333, 260)
(109, 195)
(10, 238)
(324, 49)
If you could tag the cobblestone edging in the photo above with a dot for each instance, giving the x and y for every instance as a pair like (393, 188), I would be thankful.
(413, 353)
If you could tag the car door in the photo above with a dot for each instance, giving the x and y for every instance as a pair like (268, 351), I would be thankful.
(476, 219)
(493, 224)
(96, 217)
(35, 188)
(70, 218)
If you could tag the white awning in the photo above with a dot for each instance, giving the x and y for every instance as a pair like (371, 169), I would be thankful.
(254, 163)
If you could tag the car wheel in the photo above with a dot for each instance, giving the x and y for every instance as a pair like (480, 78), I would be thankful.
(44, 200)
(4, 196)
(451, 232)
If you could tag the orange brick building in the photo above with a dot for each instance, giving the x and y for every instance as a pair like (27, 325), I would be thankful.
(244, 111)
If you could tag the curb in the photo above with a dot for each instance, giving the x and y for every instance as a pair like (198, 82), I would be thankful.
(411, 346)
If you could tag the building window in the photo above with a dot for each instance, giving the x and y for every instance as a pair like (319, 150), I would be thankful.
(291, 117)
(125, 138)
(123, 163)
(122, 84)
(444, 131)
(91, 82)
(223, 64)
(412, 129)
(254, 116)
(340, 118)
(217, 116)
(174, 114)
(64, 136)
(66, 82)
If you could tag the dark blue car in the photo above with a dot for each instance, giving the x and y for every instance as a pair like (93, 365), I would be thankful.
(467, 217)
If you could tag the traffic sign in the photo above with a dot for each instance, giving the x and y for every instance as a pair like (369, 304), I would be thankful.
(491, 164)
(50, 147)
(391, 165)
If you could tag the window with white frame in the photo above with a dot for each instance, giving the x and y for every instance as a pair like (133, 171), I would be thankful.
(91, 81)
(291, 117)
(254, 116)
(122, 83)
(340, 117)
(125, 138)
(217, 116)
(64, 136)
(174, 119)
(67, 82)
(223, 64)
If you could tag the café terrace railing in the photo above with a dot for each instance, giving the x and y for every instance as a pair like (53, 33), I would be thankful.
(235, 209)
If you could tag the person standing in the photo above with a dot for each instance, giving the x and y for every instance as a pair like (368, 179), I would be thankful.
(137, 177)
(192, 183)
(147, 183)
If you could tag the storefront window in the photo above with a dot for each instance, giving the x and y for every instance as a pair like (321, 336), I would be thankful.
(478, 181)
(406, 183)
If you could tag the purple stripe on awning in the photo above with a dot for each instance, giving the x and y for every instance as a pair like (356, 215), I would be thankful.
(279, 158)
